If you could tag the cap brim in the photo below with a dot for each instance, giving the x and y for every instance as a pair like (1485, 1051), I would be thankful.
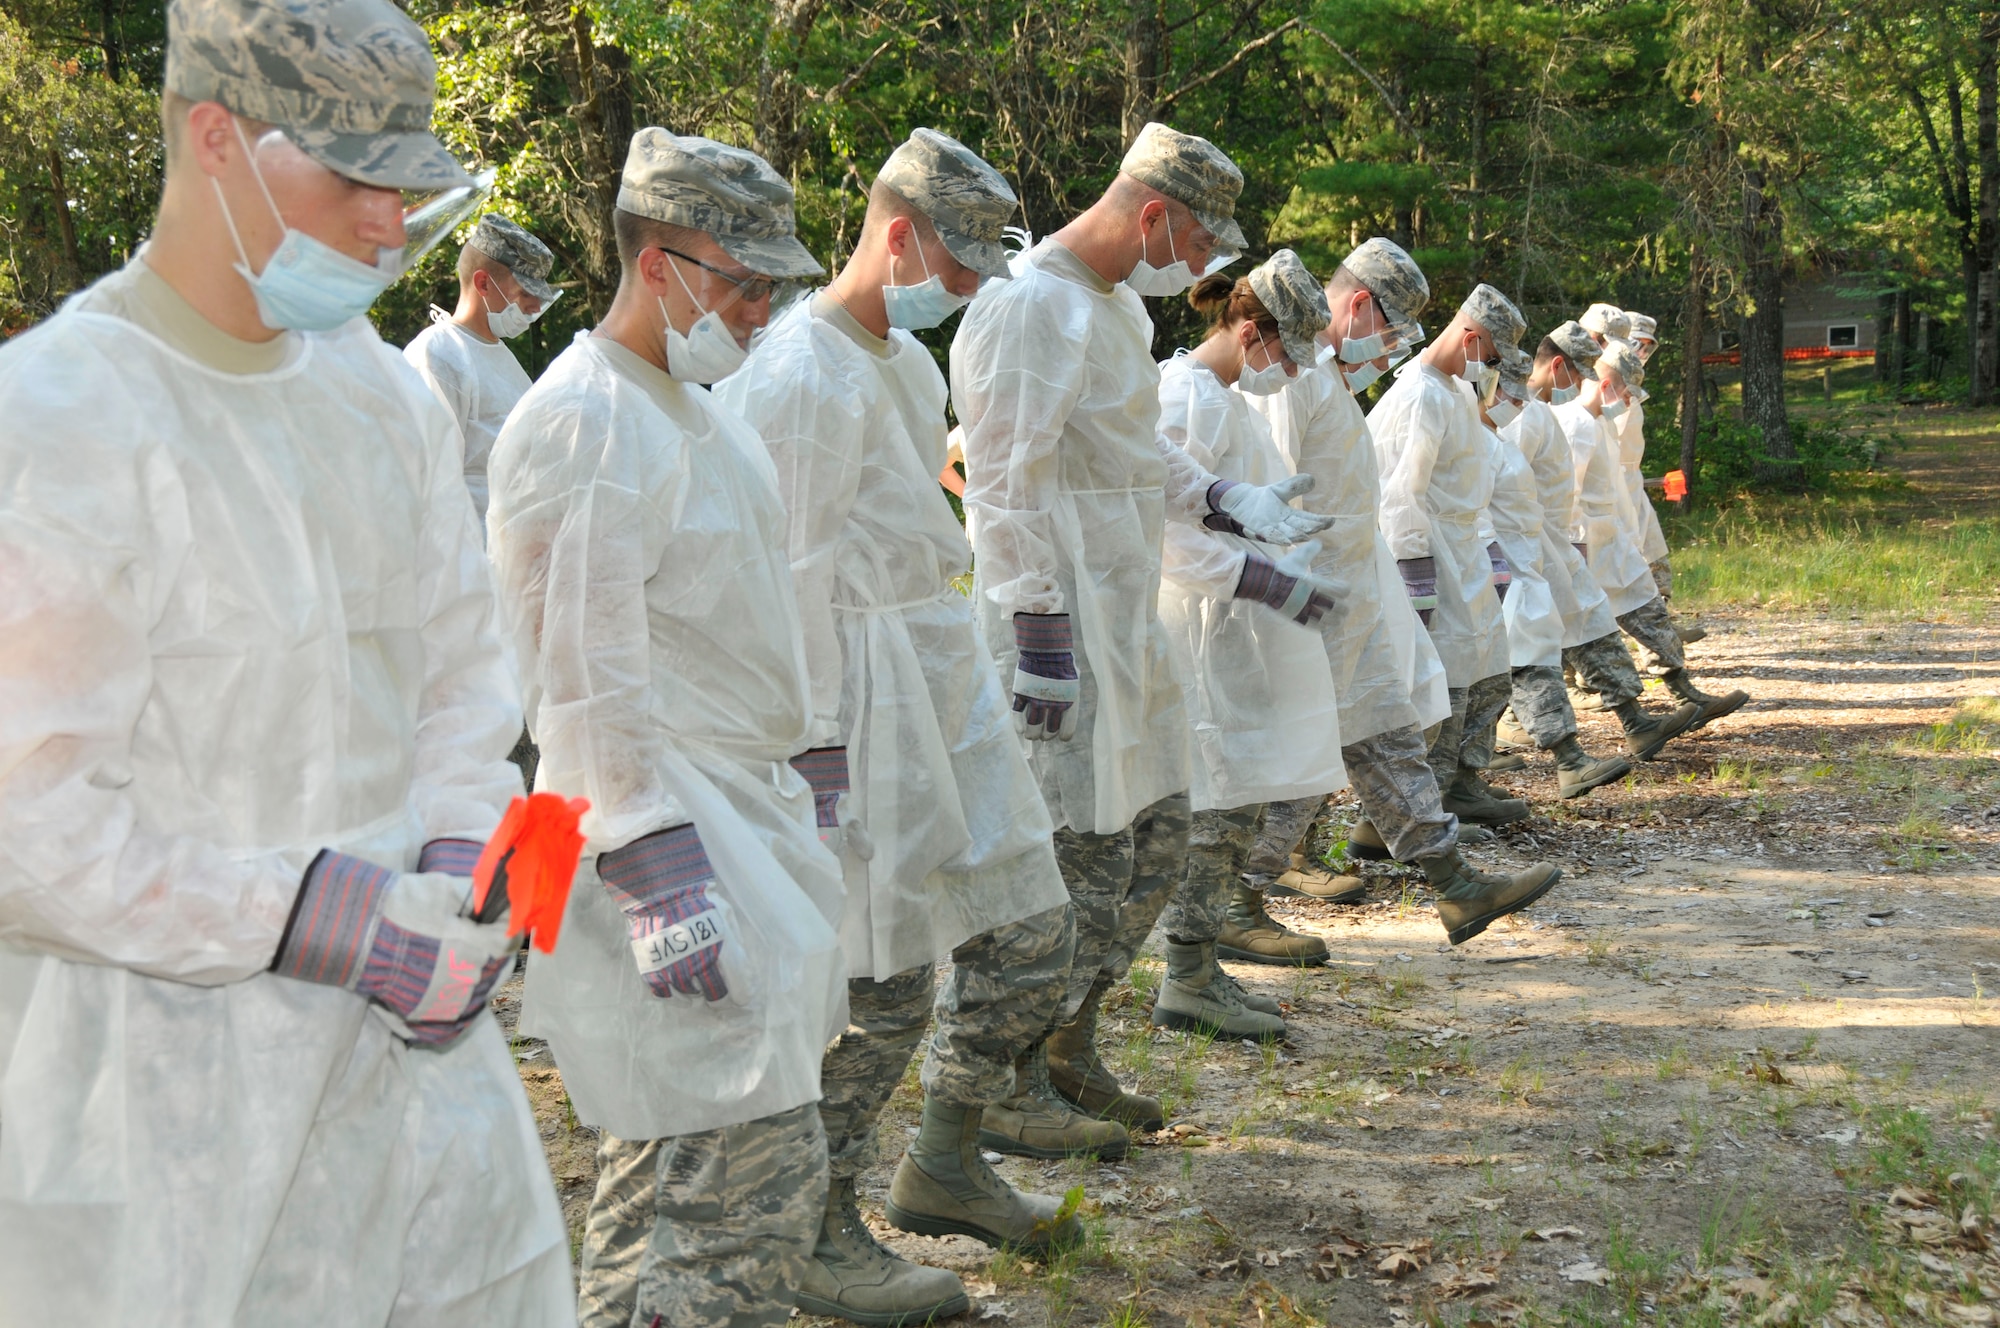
(385, 161)
(782, 256)
(1302, 349)
(1228, 235)
(535, 286)
(988, 260)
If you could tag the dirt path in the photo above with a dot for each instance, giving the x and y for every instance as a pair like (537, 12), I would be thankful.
(1682, 1089)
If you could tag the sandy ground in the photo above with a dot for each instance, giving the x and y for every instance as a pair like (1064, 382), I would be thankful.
(1682, 1089)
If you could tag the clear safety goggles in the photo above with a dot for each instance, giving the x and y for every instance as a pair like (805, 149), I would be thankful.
(429, 215)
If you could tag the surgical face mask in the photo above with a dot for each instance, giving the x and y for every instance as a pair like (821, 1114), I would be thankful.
(511, 321)
(1478, 373)
(1559, 396)
(923, 305)
(708, 353)
(1360, 376)
(1503, 412)
(306, 285)
(1359, 350)
(1611, 410)
(1172, 279)
(1264, 382)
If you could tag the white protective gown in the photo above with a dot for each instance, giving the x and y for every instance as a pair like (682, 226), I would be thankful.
(900, 673)
(640, 544)
(1066, 497)
(1614, 559)
(246, 617)
(1435, 483)
(1534, 624)
(479, 382)
(1385, 669)
(1586, 613)
(1260, 698)
(1645, 519)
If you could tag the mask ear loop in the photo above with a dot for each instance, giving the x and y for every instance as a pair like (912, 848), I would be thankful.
(249, 157)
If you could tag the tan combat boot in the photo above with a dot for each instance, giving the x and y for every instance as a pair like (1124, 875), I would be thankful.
(1036, 1122)
(1081, 1076)
(1471, 799)
(1712, 707)
(1198, 996)
(1645, 734)
(1470, 900)
(1312, 881)
(1578, 772)
(1252, 935)
(851, 1276)
(943, 1187)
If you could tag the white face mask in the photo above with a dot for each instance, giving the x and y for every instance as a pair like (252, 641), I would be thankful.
(1359, 350)
(1503, 412)
(1172, 279)
(1611, 410)
(1476, 372)
(923, 305)
(1560, 396)
(1264, 382)
(708, 353)
(1360, 376)
(511, 321)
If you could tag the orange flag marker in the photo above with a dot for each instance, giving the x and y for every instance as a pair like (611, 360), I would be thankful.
(1677, 485)
(529, 863)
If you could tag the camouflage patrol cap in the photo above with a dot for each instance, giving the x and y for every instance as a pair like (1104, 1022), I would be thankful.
(1392, 277)
(1515, 365)
(730, 193)
(967, 202)
(1606, 320)
(1643, 325)
(519, 252)
(1574, 344)
(1293, 298)
(1622, 358)
(1193, 172)
(1495, 314)
(349, 81)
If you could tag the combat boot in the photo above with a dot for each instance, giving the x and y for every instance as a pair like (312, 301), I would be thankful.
(851, 1276)
(1509, 734)
(1505, 763)
(943, 1187)
(1078, 1073)
(1250, 999)
(1190, 998)
(1310, 881)
(1036, 1122)
(1578, 772)
(1364, 841)
(1470, 900)
(1689, 633)
(1471, 799)
(1645, 734)
(1251, 934)
(1712, 707)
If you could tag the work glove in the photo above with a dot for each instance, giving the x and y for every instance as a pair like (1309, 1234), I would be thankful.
(825, 768)
(1420, 583)
(1286, 585)
(1263, 511)
(682, 940)
(1046, 689)
(401, 940)
(1503, 571)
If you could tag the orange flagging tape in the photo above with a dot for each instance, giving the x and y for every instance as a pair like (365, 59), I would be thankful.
(1677, 486)
(532, 859)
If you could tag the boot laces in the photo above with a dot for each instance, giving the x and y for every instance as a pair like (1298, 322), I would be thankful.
(856, 1243)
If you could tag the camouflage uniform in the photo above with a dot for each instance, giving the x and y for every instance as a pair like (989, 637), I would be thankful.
(707, 1230)
(1605, 666)
(1399, 794)
(1279, 834)
(1473, 709)
(1652, 628)
(1117, 886)
(861, 1068)
(1003, 992)
(1541, 703)
(1218, 850)
(1663, 577)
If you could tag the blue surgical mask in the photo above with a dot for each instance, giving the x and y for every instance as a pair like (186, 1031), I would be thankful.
(307, 285)
(1360, 376)
(1611, 410)
(923, 305)
(1561, 396)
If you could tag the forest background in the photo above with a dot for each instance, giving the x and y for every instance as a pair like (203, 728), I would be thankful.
(1679, 157)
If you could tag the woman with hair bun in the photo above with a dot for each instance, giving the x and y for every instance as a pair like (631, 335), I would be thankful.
(1240, 615)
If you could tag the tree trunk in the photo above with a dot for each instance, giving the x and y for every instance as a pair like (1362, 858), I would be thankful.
(1475, 237)
(601, 105)
(1986, 336)
(111, 40)
(65, 221)
(775, 122)
(1763, 327)
(1694, 339)
(1143, 39)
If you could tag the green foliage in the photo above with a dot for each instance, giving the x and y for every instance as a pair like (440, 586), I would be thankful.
(1731, 456)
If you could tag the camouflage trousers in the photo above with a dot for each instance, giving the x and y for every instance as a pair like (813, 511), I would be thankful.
(1219, 845)
(1118, 884)
(707, 1230)
(1605, 666)
(1002, 995)
(1399, 794)
(1474, 711)
(1281, 834)
(861, 1068)
(1541, 703)
(1652, 627)
(1663, 577)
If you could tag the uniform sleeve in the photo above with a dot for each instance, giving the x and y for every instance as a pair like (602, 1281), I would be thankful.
(577, 529)
(813, 424)
(1197, 559)
(92, 538)
(1017, 370)
(1408, 450)
(469, 711)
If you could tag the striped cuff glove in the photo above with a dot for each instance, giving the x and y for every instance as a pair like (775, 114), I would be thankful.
(1046, 689)
(1503, 571)
(1420, 583)
(1303, 599)
(401, 941)
(661, 883)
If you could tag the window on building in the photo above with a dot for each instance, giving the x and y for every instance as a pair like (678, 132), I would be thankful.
(1843, 334)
